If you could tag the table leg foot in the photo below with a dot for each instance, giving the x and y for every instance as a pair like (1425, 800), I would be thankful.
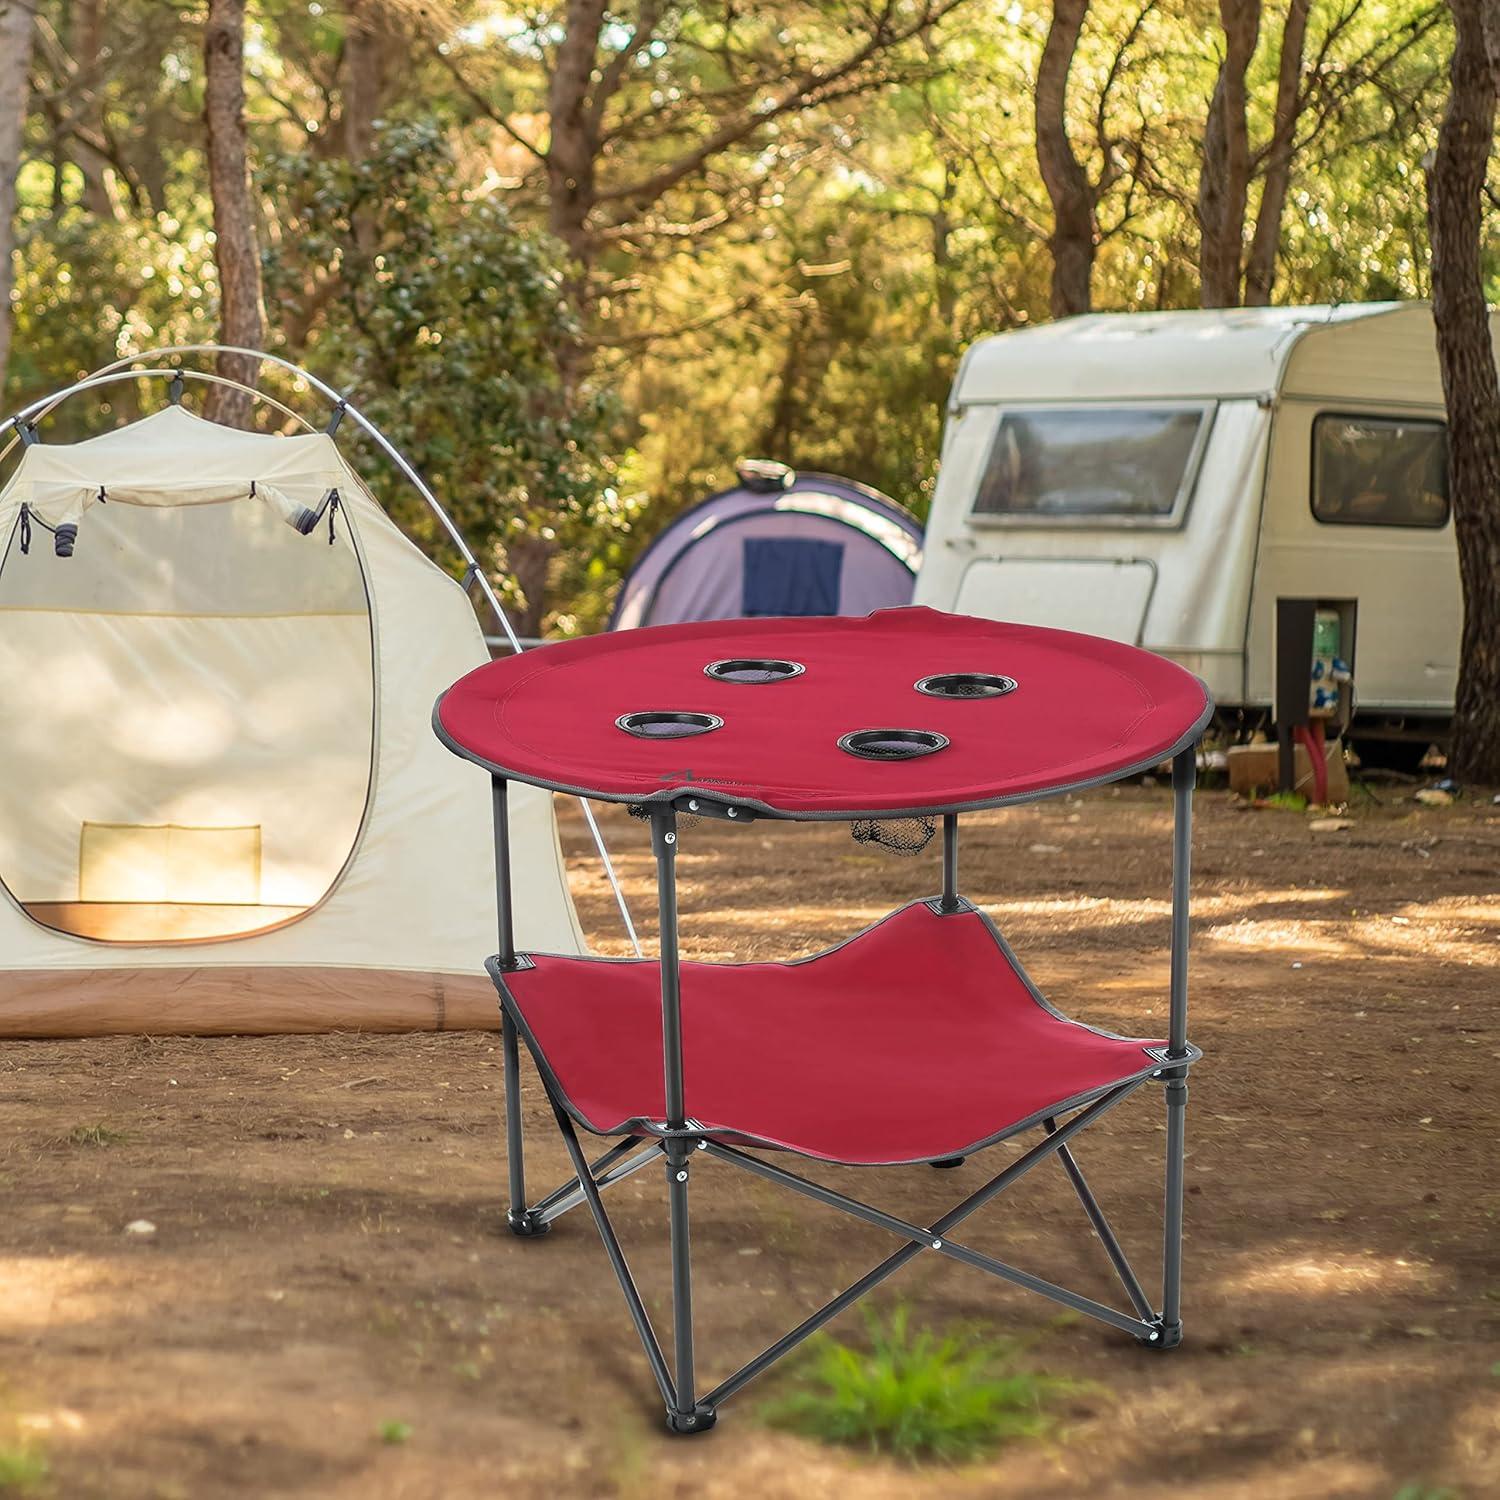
(526, 1225)
(1163, 1336)
(688, 1424)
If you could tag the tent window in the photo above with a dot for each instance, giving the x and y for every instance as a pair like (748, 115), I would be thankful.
(785, 576)
(1114, 464)
(1379, 471)
(211, 866)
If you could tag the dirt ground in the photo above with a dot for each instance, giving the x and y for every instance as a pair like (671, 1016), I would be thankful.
(329, 1254)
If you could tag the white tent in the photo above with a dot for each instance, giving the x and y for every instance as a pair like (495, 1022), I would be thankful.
(221, 804)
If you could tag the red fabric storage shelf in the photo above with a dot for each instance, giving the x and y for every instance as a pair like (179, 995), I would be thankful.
(919, 1038)
(769, 714)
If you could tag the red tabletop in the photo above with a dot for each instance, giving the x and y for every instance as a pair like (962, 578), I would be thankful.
(640, 716)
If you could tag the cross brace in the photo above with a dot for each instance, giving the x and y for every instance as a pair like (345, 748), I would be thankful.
(689, 1414)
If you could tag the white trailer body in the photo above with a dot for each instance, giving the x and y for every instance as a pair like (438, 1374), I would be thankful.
(1162, 478)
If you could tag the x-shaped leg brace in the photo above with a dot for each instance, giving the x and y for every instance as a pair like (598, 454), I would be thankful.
(689, 1414)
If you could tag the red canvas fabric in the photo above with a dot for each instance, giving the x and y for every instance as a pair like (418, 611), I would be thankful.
(915, 1040)
(1083, 709)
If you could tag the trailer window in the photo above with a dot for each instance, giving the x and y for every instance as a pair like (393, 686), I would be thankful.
(1124, 463)
(1379, 471)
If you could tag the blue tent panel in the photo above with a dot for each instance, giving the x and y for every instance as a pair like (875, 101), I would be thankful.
(791, 577)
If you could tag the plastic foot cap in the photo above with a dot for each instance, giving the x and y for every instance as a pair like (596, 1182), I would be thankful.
(526, 1225)
(685, 1424)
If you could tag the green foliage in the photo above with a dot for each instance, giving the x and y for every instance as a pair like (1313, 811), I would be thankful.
(803, 293)
(90, 292)
(1423, 1492)
(394, 1432)
(455, 326)
(917, 1396)
(96, 1135)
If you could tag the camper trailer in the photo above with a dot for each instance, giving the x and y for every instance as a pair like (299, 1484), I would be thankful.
(1166, 478)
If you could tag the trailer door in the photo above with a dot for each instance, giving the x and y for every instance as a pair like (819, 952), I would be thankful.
(1357, 508)
(1099, 596)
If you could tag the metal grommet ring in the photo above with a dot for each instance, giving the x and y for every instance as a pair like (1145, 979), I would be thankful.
(667, 724)
(753, 669)
(892, 744)
(965, 685)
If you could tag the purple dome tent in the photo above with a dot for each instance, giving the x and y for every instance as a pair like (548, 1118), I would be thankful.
(779, 543)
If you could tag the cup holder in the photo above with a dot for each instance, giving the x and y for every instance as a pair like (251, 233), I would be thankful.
(892, 744)
(966, 685)
(667, 724)
(753, 669)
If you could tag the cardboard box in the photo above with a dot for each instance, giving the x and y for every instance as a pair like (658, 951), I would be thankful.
(1254, 768)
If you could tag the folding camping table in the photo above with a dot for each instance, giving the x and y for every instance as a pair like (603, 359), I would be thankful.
(920, 1039)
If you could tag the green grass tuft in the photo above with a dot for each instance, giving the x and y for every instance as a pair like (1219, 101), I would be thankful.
(95, 1135)
(1288, 801)
(394, 1432)
(917, 1396)
(21, 1470)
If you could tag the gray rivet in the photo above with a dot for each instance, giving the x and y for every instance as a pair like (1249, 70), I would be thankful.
(937, 1244)
(682, 1176)
(703, 1145)
(692, 804)
(671, 838)
(1154, 1336)
(733, 813)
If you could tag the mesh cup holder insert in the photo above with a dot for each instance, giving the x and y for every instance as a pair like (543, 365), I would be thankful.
(753, 669)
(892, 744)
(667, 724)
(966, 685)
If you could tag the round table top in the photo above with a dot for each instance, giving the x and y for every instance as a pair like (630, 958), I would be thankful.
(902, 712)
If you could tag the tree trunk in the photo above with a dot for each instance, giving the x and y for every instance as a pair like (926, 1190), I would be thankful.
(17, 33)
(1455, 202)
(241, 318)
(1224, 182)
(1073, 228)
(87, 45)
(529, 562)
(363, 75)
(573, 151)
(1265, 244)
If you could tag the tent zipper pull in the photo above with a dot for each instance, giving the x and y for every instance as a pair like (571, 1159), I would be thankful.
(25, 530)
(333, 505)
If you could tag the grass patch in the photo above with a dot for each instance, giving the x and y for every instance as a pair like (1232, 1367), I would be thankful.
(394, 1432)
(96, 1135)
(22, 1469)
(917, 1396)
(1286, 801)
